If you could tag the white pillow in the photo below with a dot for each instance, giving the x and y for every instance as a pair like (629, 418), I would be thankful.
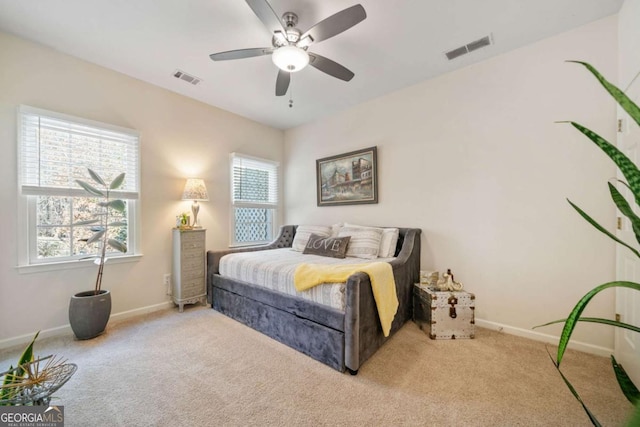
(364, 243)
(303, 232)
(388, 242)
(335, 229)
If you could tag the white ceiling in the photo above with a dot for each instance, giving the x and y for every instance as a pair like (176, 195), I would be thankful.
(400, 43)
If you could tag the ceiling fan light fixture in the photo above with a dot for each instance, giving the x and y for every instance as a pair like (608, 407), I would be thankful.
(290, 58)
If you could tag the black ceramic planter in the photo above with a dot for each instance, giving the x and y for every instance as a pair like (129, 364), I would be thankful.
(89, 313)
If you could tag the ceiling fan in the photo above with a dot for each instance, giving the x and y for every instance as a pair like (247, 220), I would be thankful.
(289, 45)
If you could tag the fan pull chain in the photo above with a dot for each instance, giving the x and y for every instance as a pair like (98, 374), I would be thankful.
(290, 96)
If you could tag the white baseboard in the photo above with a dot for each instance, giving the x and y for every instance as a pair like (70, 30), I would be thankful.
(58, 331)
(538, 336)
(118, 317)
(140, 311)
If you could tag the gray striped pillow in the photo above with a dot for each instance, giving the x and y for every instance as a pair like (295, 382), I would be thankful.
(303, 232)
(365, 241)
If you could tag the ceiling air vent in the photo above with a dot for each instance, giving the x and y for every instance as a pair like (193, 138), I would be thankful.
(186, 77)
(474, 45)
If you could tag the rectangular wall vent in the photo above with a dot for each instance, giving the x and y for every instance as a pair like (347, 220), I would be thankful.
(186, 77)
(474, 45)
(453, 54)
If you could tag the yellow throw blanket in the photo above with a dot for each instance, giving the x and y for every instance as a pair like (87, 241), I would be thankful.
(380, 273)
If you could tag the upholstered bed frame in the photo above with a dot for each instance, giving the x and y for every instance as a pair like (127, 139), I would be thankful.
(342, 340)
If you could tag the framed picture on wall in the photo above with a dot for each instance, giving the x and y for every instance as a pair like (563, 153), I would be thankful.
(348, 179)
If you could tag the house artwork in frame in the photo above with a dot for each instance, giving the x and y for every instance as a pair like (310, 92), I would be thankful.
(348, 179)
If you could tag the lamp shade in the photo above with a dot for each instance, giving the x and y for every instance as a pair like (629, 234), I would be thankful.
(290, 58)
(194, 189)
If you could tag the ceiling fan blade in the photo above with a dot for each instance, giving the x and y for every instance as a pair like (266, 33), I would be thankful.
(282, 82)
(241, 53)
(265, 13)
(330, 67)
(335, 24)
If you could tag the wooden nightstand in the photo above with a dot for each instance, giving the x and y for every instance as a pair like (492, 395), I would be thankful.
(188, 274)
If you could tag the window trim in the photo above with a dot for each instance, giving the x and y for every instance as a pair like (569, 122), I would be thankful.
(234, 204)
(26, 222)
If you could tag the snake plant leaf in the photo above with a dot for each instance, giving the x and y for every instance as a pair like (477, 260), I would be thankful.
(96, 177)
(596, 320)
(626, 209)
(95, 237)
(624, 183)
(626, 166)
(90, 188)
(625, 102)
(117, 182)
(17, 375)
(117, 245)
(635, 417)
(602, 229)
(592, 417)
(573, 317)
(627, 386)
(26, 357)
(9, 378)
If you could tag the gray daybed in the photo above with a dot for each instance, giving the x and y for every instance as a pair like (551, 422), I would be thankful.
(342, 340)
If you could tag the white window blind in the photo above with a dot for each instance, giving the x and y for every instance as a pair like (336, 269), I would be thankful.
(254, 182)
(56, 149)
(254, 199)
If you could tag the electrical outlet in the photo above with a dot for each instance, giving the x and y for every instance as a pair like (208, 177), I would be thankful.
(167, 279)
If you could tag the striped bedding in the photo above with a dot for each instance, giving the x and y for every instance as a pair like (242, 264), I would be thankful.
(274, 269)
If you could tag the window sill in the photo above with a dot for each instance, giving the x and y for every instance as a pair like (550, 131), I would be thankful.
(66, 265)
(247, 245)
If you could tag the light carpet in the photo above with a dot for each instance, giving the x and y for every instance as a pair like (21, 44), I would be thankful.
(200, 368)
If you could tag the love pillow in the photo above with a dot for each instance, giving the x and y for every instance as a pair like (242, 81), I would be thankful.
(334, 247)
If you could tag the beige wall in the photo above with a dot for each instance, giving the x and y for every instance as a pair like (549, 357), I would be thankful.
(475, 160)
(629, 40)
(180, 138)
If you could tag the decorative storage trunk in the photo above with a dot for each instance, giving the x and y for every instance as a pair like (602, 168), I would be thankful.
(444, 315)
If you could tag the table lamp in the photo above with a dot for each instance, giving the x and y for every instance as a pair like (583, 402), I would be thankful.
(195, 190)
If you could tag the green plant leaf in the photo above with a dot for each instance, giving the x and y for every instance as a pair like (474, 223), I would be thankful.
(117, 245)
(96, 236)
(627, 386)
(625, 102)
(572, 319)
(26, 357)
(626, 166)
(592, 417)
(596, 320)
(9, 378)
(90, 189)
(634, 421)
(117, 204)
(602, 229)
(626, 209)
(27, 354)
(117, 224)
(624, 183)
(87, 222)
(96, 177)
(117, 182)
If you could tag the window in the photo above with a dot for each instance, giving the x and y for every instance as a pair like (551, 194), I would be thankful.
(55, 150)
(254, 199)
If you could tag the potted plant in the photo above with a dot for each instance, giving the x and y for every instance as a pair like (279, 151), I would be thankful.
(34, 380)
(631, 173)
(89, 311)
